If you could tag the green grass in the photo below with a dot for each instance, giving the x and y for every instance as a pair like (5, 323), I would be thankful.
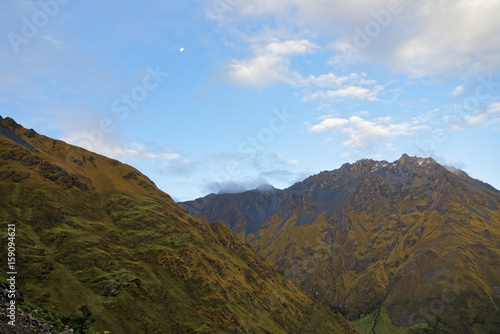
(203, 329)
(384, 325)
(133, 256)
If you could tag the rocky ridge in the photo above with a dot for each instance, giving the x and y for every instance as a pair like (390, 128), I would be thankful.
(408, 243)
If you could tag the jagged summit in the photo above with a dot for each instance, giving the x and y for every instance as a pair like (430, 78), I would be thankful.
(351, 184)
(368, 165)
(405, 165)
(378, 237)
(394, 172)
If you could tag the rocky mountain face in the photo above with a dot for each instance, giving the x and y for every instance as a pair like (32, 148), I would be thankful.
(92, 231)
(409, 246)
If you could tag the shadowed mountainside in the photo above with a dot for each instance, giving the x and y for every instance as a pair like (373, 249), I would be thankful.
(404, 246)
(93, 231)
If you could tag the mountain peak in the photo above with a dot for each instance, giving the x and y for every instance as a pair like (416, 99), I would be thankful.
(405, 158)
(365, 166)
(367, 231)
(265, 188)
(9, 123)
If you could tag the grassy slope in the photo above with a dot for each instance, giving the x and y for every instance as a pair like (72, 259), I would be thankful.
(451, 270)
(93, 231)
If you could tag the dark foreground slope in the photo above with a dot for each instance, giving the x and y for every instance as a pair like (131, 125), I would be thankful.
(409, 244)
(96, 232)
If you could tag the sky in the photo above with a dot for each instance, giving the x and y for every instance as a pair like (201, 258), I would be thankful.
(227, 95)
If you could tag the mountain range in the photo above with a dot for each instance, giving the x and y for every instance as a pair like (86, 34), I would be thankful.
(409, 246)
(95, 236)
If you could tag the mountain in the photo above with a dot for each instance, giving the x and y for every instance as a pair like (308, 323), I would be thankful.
(404, 247)
(95, 232)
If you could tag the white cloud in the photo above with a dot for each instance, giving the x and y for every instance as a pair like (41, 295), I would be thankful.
(457, 91)
(351, 92)
(323, 13)
(118, 150)
(359, 132)
(481, 117)
(346, 87)
(425, 117)
(332, 80)
(270, 63)
(453, 35)
(290, 47)
(426, 37)
(171, 156)
(328, 124)
(327, 80)
(292, 163)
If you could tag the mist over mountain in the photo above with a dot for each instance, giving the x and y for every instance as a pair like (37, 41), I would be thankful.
(410, 245)
(97, 235)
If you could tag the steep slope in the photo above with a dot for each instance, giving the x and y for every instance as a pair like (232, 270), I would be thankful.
(243, 213)
(93, 231)
(403, 244)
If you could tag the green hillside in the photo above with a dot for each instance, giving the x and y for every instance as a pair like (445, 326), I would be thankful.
(93, 231)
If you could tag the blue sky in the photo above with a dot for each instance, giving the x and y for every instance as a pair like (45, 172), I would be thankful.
(225, 95)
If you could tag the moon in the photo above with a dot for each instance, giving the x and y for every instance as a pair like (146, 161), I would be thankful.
(181, 49)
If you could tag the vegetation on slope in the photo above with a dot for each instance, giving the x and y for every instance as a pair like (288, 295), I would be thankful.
(401, 244)
(93, 231)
